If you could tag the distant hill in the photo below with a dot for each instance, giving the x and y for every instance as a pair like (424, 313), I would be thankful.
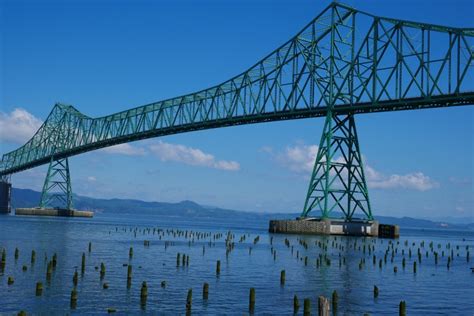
(190, 209)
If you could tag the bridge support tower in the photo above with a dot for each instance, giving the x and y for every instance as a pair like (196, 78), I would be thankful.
(57, 190)
(56, 197)
(5, 195)
(338, 184)
(337, 201)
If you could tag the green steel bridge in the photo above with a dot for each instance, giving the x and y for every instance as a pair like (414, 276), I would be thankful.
(344, 62)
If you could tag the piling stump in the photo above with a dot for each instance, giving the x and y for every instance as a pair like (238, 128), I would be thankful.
(323, 306)
(252, 300)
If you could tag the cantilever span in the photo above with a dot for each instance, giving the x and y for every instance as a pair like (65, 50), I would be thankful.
(344, 62)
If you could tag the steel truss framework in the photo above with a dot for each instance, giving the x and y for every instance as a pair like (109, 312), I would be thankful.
(343, 62)
(57, 191)
(338, 181)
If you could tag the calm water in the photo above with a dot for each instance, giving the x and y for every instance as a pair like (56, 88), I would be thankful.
(433, 290)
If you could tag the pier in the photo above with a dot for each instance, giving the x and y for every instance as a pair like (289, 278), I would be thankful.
(315, 226)
(38, 211)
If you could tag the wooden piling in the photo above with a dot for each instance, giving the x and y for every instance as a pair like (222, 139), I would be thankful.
(252, 300)
(335, 299)
(49, 271)
(4, 257)
(75, 278)
(39, 288)
(102, 270)
(10, 280)
(307, 307)
(323, 306)
(129, 276)
(55, 260)
(17, 253)
(282, 277)
(402, 308)
(189, 300)
(218, 267)
(296, 304)
(33, 257)
(143, 294)
(205, 291)
(376, 291)
(73, 298)
(83, 263)
(130, 253)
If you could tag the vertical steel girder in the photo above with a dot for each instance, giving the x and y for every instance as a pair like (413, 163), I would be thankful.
(57, 191)
(338, 181)
(6, 178)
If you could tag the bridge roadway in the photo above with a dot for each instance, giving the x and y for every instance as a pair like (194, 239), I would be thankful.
(407, 104)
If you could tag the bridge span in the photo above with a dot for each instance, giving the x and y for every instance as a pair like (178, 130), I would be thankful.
(343, 63)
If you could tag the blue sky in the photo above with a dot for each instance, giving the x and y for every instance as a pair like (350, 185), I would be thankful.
(107, 56)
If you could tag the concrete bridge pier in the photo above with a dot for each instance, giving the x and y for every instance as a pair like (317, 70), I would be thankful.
(316, 226)
(5, 197)
(50, 211)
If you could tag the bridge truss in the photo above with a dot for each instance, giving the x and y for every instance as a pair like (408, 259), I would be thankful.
(344, 62)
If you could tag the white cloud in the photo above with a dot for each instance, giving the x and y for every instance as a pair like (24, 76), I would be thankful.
(125, 149)
(300, 159)
(465, 181)
(460, 209)
(266, 149)
(18, 126)
(91, 179)
(190, 156)
(226, 165)
(416, 181)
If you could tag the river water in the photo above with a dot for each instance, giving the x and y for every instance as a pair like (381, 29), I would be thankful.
(432, 290)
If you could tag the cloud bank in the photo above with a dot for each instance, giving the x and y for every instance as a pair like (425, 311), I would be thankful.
(18, 126)
(300, 159)
(176, 153)
(125, 149)
(190, 156)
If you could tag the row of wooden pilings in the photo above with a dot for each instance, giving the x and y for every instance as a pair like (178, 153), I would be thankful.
(229, 244)
(323, 302)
